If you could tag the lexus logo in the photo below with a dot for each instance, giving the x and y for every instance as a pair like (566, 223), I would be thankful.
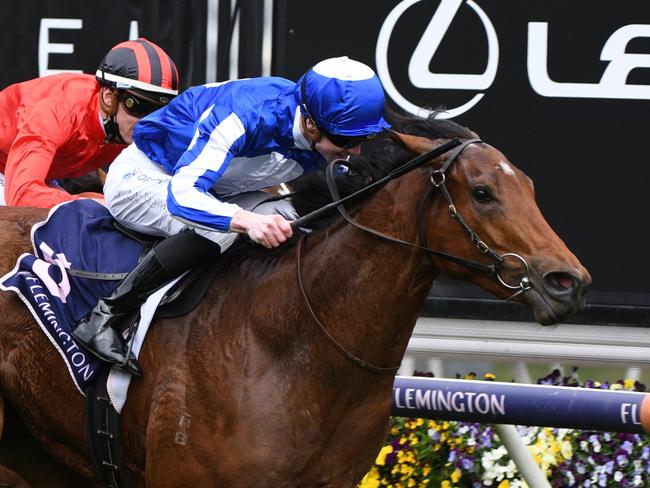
(613, 83)
(418, 69)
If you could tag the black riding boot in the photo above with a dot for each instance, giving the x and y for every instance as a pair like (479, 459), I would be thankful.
(167, 260)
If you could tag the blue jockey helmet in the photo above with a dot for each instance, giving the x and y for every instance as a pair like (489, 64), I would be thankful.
(343, 96)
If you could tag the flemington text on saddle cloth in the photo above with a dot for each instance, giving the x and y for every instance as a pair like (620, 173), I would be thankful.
(77, 235)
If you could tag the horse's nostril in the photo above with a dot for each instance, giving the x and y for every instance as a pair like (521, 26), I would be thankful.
(560, 282)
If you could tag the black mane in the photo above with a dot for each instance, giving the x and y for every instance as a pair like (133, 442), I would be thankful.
(379, 157)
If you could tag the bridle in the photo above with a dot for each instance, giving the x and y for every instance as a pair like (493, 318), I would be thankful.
(437, 178)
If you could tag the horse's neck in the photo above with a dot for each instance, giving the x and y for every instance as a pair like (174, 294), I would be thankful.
(368, 291)
(365, 291)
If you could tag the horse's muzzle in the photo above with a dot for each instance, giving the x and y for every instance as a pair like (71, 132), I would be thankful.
(559, 295)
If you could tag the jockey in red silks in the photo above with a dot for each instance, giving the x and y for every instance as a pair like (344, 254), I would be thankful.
(70, 124)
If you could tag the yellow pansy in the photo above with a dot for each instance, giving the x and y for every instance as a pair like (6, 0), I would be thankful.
(371, 479)
(407, 471)
(381, 458)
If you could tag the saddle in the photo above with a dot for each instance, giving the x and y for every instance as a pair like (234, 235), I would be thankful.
(185, 295)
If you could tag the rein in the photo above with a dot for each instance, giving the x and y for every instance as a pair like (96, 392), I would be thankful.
(338, 201)
(437, 178)
(350, 356)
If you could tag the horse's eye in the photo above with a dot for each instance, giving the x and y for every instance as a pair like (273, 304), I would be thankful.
(482, 194)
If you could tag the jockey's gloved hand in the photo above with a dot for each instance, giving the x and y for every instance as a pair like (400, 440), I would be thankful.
(267, 230)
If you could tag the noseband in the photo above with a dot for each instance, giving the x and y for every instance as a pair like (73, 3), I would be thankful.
(437, 178)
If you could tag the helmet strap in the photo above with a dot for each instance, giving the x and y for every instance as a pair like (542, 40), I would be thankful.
(113, 131)
(312, 132)
(109, 107)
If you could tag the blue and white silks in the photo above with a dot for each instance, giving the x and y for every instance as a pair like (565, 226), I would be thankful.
(226, 138)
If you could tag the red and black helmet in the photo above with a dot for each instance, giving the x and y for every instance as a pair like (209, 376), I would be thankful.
(142, 67)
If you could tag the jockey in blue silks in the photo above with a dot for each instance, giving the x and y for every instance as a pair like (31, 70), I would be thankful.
(195, 163)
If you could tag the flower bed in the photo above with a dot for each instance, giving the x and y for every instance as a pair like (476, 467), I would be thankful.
(427, 453)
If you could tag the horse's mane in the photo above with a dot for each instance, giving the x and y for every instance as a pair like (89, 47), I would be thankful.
(379, 157)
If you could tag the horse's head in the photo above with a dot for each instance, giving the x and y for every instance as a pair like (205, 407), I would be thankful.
(497, 202)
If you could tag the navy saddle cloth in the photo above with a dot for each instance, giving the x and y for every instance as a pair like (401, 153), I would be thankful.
(79, 257)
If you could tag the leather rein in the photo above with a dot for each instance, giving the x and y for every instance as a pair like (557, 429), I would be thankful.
(437, 178)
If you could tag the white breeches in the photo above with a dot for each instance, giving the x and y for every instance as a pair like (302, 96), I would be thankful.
(136, 195)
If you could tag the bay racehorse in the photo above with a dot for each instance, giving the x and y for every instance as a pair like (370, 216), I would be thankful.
(282, 377)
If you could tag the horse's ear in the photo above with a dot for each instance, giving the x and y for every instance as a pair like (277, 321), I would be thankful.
(415, 144)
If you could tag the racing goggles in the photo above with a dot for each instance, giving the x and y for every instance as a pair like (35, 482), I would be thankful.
(138, 106)
(347, 142)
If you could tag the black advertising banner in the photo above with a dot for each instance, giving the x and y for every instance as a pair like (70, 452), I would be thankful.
(562, 88)
(41, 37)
